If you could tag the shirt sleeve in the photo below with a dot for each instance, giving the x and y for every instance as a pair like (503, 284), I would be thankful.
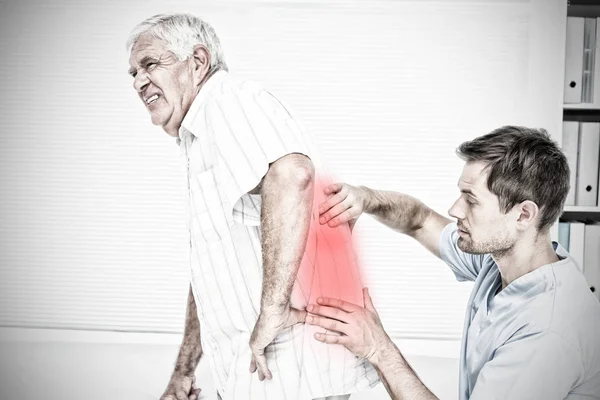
(252, 129)
(465, 266)
(537, 366)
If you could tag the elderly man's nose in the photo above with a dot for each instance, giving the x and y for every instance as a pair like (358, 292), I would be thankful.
(140, 82)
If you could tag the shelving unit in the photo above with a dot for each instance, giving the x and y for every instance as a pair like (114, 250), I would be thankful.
(582, 112)
(579, 213)
(578, 230)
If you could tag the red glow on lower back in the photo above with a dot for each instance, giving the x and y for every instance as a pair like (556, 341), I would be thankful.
(329, 267)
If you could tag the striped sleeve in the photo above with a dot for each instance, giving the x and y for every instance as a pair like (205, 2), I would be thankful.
(251, 129)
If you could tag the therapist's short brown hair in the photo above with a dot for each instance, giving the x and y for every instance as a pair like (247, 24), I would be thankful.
(523, 164)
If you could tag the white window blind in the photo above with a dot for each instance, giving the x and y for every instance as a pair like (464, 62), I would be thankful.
(92, 216)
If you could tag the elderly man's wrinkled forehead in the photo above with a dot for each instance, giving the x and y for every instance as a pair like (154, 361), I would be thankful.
(148, 46)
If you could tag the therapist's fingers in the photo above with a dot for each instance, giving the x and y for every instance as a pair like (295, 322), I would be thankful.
(336, 213)
(329, 312)
(330, 203)
(338, 303)
(333, 188)
(328, 323)
(368, 301)
(332, 339)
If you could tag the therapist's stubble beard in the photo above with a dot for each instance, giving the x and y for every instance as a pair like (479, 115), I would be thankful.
(498, 245)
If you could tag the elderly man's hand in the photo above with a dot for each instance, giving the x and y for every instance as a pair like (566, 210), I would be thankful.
(181, 387)
(269, 324)
(360, 328)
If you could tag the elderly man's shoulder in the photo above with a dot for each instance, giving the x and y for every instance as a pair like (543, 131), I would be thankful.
(231, 85)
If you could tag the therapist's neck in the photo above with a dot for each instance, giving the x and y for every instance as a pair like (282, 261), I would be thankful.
(531, 251)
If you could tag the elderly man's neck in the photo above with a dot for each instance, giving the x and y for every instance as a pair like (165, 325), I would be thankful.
(172, 129)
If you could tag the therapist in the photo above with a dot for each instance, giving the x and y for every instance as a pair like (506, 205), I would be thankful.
(532, 325)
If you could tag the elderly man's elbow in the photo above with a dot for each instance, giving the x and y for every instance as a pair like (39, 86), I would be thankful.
(294, 169)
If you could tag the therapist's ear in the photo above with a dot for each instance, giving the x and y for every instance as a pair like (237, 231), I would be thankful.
(526, 213)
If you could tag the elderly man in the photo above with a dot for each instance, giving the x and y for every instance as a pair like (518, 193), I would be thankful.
(255, 257)
(532, 328)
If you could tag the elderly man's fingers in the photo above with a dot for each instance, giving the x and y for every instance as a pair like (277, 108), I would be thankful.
(181, 395)
(329, 312)
(252, 365)
(332, 339)
(327, 323)
(196, 391)
(337, 303)
(195, 394)
(261, 363)
(296, 316)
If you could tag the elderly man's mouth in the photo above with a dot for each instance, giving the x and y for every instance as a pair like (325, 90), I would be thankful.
(151, 99)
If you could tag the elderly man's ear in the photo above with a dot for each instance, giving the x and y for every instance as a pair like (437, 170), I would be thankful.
(201, 63)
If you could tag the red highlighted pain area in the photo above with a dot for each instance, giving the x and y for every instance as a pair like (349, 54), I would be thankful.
(330, 266)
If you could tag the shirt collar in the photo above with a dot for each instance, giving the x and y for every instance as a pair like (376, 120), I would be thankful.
(187, 125)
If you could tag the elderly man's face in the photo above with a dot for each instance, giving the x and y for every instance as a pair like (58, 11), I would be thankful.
(165, 84)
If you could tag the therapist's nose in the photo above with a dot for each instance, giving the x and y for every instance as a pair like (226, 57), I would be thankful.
(457, 211)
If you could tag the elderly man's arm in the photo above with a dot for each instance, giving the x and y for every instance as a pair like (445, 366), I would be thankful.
(287, 196)
(361, 332)
(182, 384)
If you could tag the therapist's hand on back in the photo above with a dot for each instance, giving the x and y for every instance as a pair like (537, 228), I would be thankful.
(345, 204)
(360, 327)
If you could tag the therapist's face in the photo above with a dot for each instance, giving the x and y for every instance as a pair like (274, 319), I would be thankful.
(483, 227)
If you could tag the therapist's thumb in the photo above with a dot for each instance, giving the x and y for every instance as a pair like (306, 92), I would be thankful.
(367, 299)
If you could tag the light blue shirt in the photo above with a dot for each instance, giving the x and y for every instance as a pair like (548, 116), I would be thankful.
(539, 338)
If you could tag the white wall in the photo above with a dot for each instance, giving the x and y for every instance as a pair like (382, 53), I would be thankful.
(93, 233)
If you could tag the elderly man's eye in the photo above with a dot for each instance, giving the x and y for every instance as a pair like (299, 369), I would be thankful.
(150, 65)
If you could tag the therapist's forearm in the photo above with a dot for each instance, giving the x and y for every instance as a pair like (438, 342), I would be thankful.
(287, 196)
(398, 377)
(399, 211)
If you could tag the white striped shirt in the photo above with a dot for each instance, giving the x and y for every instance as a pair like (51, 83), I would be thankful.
(230, 135)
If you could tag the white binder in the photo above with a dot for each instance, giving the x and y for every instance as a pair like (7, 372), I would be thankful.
(587, 167)
(577, 243)
(596, 78)
(564, 231)
(591, 262)
(570, 141)
(574, 60)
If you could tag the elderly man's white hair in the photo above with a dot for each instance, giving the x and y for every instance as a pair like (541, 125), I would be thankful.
(181, 32)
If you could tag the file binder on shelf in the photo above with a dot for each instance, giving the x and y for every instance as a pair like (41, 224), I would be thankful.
(591, 262)
(570, 141)
(596, 80)
(589, 51)
(577, 243)
(574, 60)
(587, 165)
